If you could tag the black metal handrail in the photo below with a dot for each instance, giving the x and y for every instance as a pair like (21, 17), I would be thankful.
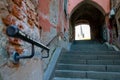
(49, 44)
(13, 31)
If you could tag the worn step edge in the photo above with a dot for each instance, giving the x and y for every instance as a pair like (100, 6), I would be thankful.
(61, 78)
(84, 67)
(93, 57)
(87, 74)
(92, 52)
(89, 62)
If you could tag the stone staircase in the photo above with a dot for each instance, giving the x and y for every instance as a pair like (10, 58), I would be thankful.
(88, 60)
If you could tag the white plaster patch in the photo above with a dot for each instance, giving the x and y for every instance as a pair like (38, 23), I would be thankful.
(54, 7)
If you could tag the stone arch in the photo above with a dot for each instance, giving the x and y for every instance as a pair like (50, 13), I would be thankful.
(89, 2)
(75, 14)
(117, 18)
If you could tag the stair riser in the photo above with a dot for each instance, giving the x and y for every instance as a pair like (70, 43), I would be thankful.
(102, 75)
(90, 50)
(91, 53)
(94, 62)
(93, 75)
(107, 68)
(57, 78)
(90, 57)
(71, 75)
(82, 68)
(91, 47)
(85, 42)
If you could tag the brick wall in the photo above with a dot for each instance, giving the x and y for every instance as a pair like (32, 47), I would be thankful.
(40, 19)
(23, 14)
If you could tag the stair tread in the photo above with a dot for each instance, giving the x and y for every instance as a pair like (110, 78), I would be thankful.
(90, 57)
(103, 68)
(62, 64)
(87, 74)
(60, 78)
(70, 71)
(88, 60)
(92, 52)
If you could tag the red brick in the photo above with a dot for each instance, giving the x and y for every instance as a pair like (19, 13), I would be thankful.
(19, 49)
(31, 23)
(9, 20)
(31, 14)
(15, 41)
(17, 12)
(20, 26)
(30, 5)
(18, 2)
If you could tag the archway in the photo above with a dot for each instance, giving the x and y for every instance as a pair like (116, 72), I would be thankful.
(82, 32)
(88, 12)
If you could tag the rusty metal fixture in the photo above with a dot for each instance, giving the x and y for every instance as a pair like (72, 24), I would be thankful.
(13, 31)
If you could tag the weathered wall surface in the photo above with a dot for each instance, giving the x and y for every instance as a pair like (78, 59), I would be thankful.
(23, 14)
(115, 22)
(43, 20)
(53, 22)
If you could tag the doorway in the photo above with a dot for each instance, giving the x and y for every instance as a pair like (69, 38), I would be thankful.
(82, 32)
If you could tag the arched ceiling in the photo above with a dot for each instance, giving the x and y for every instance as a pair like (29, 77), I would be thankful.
(90, 12)
(105, 4)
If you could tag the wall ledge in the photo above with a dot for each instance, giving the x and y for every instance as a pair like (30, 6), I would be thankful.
(52, 63)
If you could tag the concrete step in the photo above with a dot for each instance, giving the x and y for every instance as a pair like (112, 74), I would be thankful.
(90, 46)
(91, 53)
(90, 57)
(87, 74)
(79, 67)
(60, 78)
(90, 62)
(86, 42)
(89, 49)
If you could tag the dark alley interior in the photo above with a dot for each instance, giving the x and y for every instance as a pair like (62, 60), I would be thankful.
(89, 13)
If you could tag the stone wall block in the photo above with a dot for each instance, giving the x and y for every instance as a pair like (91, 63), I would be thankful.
(18, 2)
(11, 48)
(20, 26)
(9, 20)
(17, 12)
(2, 7)
(31, 23)
(32, 18)
(19, 49)
(15, 41)
(3, 10)
(35, 3)
(31, 14)
(29, 5)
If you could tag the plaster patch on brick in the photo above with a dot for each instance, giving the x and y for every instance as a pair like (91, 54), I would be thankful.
(54, 10)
